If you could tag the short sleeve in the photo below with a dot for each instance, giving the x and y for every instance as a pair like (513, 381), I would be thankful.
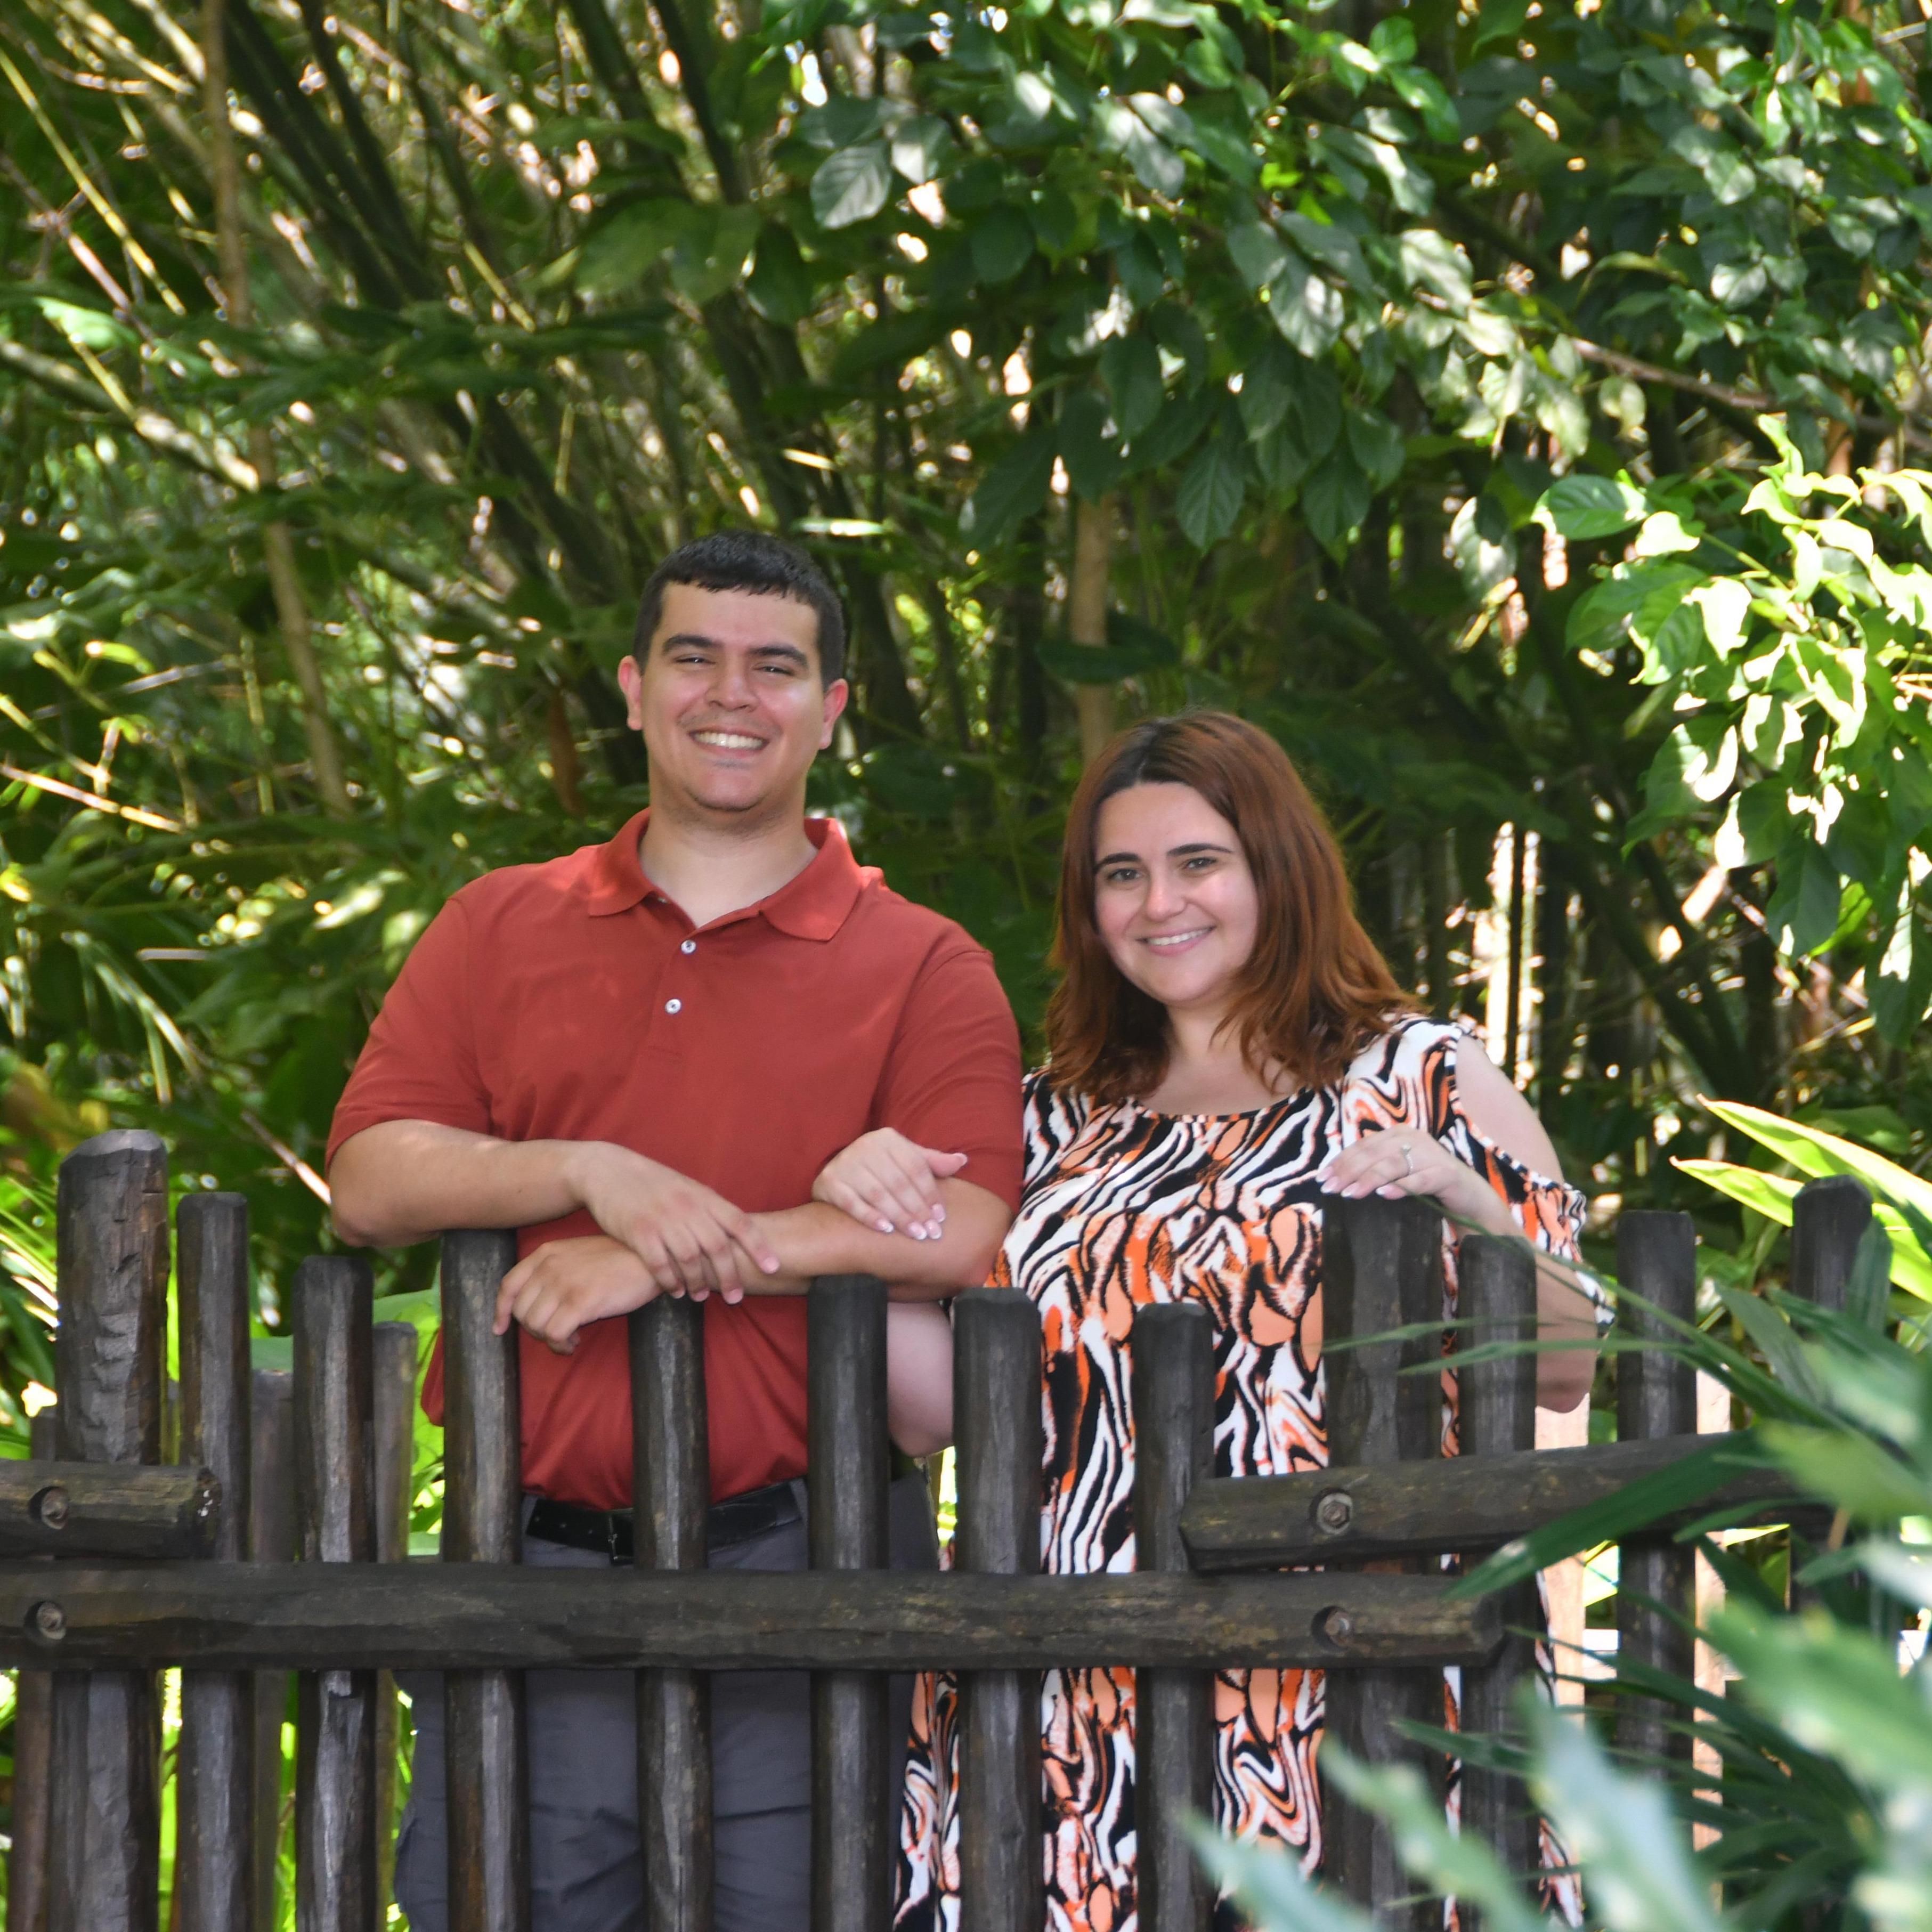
(952, 1079)
(420, 1062)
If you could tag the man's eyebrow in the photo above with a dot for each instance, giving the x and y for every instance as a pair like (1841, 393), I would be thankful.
(791, 653)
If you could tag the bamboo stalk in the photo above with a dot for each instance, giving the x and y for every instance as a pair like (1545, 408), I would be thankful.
(278, 546)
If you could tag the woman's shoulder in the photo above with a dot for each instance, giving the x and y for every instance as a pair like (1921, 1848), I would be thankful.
(1048, 1110)
(1411, 1045)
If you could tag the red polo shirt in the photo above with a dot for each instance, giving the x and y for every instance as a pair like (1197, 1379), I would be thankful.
(573, 1001)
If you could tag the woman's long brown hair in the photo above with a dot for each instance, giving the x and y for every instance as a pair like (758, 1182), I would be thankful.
(1314, 992)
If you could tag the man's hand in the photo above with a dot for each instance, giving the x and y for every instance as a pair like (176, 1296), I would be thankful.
(688, 1239)
(566, 1284)
(886, 1181)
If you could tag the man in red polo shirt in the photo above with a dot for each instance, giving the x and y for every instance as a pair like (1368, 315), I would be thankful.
(645, 1057)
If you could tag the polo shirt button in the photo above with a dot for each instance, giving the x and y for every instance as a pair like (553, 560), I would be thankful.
(674, 1006)
(689, 946)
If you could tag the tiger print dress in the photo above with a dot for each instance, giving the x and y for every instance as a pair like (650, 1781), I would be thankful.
(1122, 1207)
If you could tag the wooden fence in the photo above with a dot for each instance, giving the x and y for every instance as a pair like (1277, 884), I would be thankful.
(278, 1543)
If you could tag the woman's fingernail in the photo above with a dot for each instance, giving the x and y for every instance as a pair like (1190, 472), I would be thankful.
(885, 1227)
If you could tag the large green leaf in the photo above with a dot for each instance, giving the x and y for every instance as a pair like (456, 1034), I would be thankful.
(1013, 488)
(1212, 490)
(852, 185)
(1583, 507)
(1772, 1194)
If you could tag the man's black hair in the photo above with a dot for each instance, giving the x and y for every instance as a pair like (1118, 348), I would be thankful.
(749, 560)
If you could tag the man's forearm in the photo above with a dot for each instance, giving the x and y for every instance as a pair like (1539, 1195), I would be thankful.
(818, 1239)
(404, 1181)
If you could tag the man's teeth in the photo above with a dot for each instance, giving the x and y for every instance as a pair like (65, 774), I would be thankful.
(1178, 938)
(731, 741)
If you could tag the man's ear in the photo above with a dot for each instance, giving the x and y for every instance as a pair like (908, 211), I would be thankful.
(630, 680)
(838, 693)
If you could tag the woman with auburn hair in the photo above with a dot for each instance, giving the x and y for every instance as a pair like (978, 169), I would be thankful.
(1227, 1045)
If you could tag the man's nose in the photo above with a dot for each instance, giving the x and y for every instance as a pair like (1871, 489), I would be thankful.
(731, 685)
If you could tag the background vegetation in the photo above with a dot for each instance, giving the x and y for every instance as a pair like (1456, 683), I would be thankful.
(1512, 404)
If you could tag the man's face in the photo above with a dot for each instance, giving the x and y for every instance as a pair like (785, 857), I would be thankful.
(729, 700)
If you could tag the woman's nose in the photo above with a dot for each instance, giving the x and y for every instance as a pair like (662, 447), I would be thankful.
(1164, 897)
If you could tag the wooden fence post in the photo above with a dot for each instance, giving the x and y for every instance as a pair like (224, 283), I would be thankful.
(850, 1467)
(394, 1415)
(215, 1780)
(1656, 1395)
(272, 1539)
(996, 1407)
(335, 1761)
(104, 1828)
(1381, 1270)
(1828, 1220)
(1173, 1370)
(33, 1750)
(1496, 1416)
(670, 1497)
(482, 1522)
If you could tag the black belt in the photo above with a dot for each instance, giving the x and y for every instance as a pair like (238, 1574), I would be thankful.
(735, 1520)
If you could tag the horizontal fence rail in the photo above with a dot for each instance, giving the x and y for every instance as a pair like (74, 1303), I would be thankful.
(500, 1617)
(278, 1545)
(1461, 1504)
(108, 1509)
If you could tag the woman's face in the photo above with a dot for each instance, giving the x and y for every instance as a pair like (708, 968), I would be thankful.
(1173, 896)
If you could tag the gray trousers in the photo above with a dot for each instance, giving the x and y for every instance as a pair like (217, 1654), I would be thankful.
(585, 1873)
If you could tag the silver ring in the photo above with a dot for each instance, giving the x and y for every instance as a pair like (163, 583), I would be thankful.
(1407, 1159)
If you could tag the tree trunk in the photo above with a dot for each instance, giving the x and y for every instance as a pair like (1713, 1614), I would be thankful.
(1086, 601)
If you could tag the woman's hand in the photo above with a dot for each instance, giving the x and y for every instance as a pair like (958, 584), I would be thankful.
(1394, 1161)
(885, 1181)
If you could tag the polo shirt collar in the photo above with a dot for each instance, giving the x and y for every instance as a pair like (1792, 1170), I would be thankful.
(814, 905)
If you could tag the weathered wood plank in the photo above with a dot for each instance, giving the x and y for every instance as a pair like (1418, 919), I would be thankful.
(483, 1759)
(108, 1510)
(335, 1524)
(1657, 1396)
(422, 1616)
(1381, 1272)
(394, 1359)
(1173, 1348)
(104, 1822)
(996, 1412)
(1456, 1505)
(214, 1801)
(1496, 1416)
(272, 1539)
(670, 1480)
(33, 1746)
(851, 1461)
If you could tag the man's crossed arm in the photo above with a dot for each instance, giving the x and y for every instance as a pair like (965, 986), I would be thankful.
(404, 1181)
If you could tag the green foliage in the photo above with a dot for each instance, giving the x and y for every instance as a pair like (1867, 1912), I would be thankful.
(1308, 312)
(1816, 1812)
(1901, 1201)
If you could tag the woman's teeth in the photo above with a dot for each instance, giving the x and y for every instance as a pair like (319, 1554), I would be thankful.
(1180, 938)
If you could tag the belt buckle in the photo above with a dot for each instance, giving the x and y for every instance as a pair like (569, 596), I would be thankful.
(613, 1527)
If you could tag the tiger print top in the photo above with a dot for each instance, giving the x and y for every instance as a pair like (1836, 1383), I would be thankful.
(1121, 1207)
